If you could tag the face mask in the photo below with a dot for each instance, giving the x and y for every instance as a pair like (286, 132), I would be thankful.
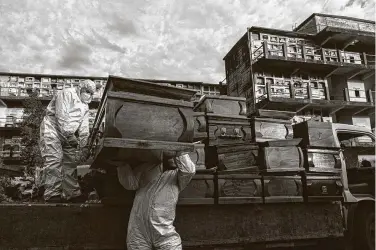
(86, 97)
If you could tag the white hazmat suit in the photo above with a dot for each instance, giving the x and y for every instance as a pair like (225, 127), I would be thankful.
(66, 114)
(153, 213)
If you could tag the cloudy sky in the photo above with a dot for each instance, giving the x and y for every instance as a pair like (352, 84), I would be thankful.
(164, 39)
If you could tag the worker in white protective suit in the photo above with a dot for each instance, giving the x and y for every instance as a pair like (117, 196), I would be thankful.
(66, 116)
(153, 213)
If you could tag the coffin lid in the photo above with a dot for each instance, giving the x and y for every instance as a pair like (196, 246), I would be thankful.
(116, 83)
(276, 114)
(219, 97)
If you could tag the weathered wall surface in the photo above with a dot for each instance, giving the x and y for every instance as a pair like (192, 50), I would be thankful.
(238, 69)
(338, 22)
(104, 227)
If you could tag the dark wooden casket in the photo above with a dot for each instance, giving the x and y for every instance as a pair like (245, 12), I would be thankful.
(281, 156)
(200, 190)
(315, 134)
(267, 129)
(274, 114)
(322, 160)
(227, 129)
(283, 188)
(233, 157)
(137, 120)
(323, 187)
(228, 145)
(200, 128)
(239, 188)
(224, 105)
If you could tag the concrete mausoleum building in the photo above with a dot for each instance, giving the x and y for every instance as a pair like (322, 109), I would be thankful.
(324, 69)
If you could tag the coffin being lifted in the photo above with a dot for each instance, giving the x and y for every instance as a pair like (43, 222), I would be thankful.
(138, 120)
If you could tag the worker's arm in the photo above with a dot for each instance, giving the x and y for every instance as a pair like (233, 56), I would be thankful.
(128, 178)
(62, 105)
(83, 131)
(186, 170)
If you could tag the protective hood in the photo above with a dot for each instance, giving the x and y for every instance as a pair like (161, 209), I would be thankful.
(86, 90)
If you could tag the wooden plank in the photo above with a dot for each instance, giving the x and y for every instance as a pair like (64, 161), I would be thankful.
(283, 199)
(196, 201)
(281, 143)
(238, 176)
(116, 83)
(275, 114)
(240, 200)
(223, 105)
(147, 144)
(141, 98)
(250, 169)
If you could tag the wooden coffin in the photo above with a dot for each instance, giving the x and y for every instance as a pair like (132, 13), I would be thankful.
(232, 157)
(226, 129)
(282, 188)
(315, 134)
(240, 188)
(281, 159)
(224, 105)
(323, 188)
(198, 156)
(137, 120)
(267, 129)
(200, 128)
(275, 114)
(116, 83)
(322, 160)
(199, 191)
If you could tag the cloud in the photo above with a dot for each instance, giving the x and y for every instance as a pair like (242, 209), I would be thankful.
(169, 39)
(75, 55)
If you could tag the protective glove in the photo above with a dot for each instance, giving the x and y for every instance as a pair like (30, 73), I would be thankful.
(72, 141)
(85, 152)
(83, 155)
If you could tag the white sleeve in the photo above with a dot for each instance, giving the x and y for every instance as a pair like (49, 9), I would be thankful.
(83, 131)
(186, 170)
(62, 106)
(128, 178)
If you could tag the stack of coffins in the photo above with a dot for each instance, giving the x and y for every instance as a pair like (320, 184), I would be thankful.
(201, 189)
(269, 125)
(138, 120)
(322, 161)
(280, 158)
(281, 164)
(228, 145)
(230, 149)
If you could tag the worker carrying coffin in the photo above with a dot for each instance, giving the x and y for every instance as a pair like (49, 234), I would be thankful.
(66, 116)
(153, 213)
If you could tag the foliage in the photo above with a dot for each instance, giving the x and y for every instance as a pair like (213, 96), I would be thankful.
(5, 183)
(33, 115)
